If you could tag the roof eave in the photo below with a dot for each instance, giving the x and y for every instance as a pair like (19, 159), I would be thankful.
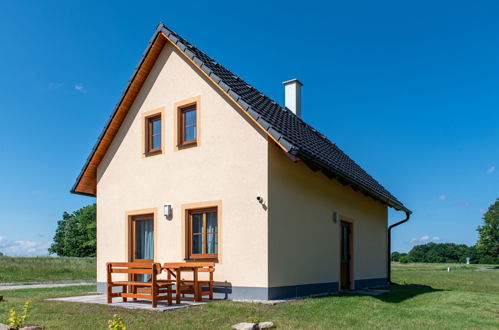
(74, 189)
(358, 185)
(260, 121)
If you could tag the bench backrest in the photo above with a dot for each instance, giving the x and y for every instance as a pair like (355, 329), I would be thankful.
(134, 267)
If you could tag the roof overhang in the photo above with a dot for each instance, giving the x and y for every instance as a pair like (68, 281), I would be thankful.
(86, 183)
(343, 179)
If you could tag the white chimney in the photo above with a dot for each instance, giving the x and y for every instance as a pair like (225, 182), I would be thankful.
(292, 96)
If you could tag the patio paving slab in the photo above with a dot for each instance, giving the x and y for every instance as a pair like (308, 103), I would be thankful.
(139, 304)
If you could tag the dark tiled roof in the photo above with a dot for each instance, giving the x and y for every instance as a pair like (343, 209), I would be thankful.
(291, 131)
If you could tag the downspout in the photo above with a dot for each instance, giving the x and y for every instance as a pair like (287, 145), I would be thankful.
(389, 261)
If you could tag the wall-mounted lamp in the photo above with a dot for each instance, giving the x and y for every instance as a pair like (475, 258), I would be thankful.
(168, 211)
(336, 217)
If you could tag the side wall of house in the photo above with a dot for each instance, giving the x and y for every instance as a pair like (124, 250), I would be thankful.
(304, 242)
(229, 165)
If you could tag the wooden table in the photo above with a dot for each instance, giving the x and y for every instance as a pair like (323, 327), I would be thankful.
(175, 269)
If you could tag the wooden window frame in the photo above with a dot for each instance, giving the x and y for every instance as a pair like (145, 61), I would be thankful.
(133, 230)
(180, 109)
(148, 117)
(150, 134)
(183, 125)
(130, 230)
(186, 228)
(197, 256)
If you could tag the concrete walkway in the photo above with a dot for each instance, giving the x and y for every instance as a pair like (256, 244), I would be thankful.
(41, 285)
(117, 302)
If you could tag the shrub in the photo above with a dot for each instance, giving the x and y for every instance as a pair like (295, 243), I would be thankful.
(487, 260)
(404, 260)
(116, 323)
(16, 320)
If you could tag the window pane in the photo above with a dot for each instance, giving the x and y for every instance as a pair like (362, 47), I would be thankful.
(190, 117)
(155, 133)
(197, 244)
(156, 126)
(156, 142)
(211, 222)
(212, 243)
(144, 239)
(190, 133)
(197, 223)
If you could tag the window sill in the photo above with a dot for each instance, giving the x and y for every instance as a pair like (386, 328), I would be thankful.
(200, 259)
(187, 144)
(153, 152)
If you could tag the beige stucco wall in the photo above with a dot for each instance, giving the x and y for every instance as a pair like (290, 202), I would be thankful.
(304, 244)
(229, 165)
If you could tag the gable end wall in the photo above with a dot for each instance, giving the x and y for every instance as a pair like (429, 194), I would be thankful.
(229, 165)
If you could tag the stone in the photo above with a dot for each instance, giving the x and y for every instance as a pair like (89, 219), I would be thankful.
(4, 326)
(31, 327)
(266, 325)
(245, 326)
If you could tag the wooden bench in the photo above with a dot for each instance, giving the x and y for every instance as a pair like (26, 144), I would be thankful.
(195, 286)
(153, 289)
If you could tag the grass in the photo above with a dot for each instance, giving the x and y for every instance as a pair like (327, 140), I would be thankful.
(461, 277)
(449, 304)
(19, 269)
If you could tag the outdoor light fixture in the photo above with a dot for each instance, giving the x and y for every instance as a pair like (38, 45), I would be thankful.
(168, 211)
(335, 217)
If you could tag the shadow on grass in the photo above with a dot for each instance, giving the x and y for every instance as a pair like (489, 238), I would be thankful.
(397, 293)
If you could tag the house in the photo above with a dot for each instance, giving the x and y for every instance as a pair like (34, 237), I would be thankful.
(196, 164)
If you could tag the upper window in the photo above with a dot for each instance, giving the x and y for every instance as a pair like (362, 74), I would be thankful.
(153, 134)
(188, 125)
(203, 233)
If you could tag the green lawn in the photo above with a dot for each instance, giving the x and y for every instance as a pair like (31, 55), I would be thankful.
(16, 269)
(460, 278)
(463, 298)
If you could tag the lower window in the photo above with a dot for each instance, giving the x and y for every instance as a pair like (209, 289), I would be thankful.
(203, 233)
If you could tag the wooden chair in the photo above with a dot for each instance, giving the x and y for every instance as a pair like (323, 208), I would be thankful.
(153, 289)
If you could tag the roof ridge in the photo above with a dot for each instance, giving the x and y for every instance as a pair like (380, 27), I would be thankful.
(188, 44)
(292, 133)
(295, 134)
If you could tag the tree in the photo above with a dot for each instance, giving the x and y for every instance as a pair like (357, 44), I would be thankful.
(75, 235)
(488, 241)
(395, 256)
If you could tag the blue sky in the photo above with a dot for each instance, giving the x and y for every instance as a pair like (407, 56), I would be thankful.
(408, 89)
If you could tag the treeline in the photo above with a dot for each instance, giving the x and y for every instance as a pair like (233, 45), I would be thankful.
(485, 251)
(444, 253)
